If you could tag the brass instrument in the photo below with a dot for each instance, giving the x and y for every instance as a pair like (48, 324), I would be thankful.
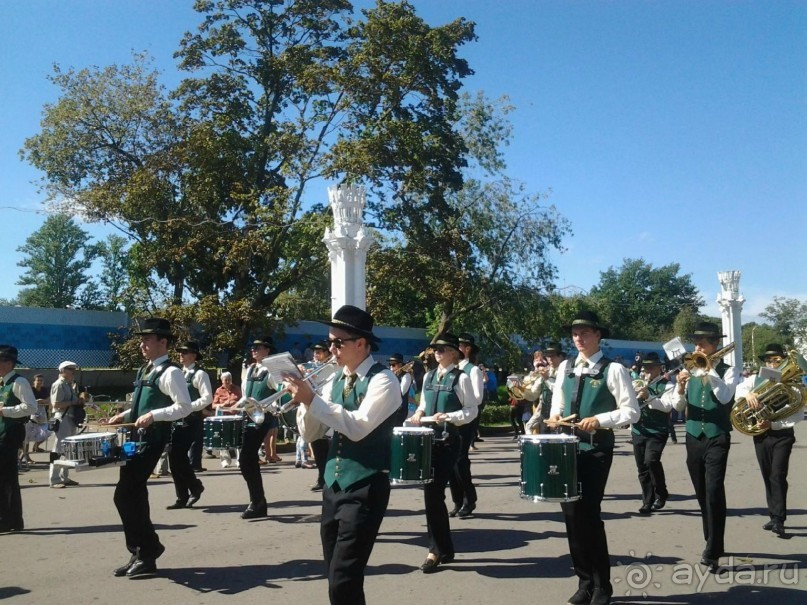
(700, 363)
(409, 365)
(517, 385)
(777, 399)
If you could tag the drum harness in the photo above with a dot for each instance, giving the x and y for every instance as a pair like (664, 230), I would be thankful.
(577, 396)
(445, 436)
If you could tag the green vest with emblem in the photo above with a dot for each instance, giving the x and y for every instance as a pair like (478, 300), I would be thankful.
(257, 387)
(148, 397)
(440, 396)
(351, 461)
(595, 399)
(705, 414)
(653, 422)
(7, 397)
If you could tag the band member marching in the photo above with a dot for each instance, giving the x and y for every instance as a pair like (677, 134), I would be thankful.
(707, 398)
(540, 390)
(396, 365)
(649, 433)
(160, 396)
(359, 404)
(774, 445)
(599, 393)
(186, 431)
(448, 398)
(320, 447)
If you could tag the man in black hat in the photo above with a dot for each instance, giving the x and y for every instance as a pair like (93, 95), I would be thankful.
(17, 404)
(359, 404)
(599, 395)
(772, 447)
(396, 365)
(448, 398)
(649, 433)
(190, 429)
(707, 398)
(463, 492)
(160, 397)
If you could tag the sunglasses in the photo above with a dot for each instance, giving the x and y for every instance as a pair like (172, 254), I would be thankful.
(338, 342)
(439, 349)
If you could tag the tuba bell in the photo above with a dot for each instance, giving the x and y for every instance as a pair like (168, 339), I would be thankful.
(777, 399)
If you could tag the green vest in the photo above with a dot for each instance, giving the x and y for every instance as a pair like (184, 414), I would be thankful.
(148, 397)
(257, 388)
(653, 422)
(351, 461)
(7, 397)
(192, 390)
(596, 399)
(440, 396)
(705, 414)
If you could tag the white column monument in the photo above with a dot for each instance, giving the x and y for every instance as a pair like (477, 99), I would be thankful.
(731, 305)
(347, 244)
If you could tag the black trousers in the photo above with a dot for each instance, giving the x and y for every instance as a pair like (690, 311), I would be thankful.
(517, 418)
(197, 441)
(320, 448)
(773, 450)
(585, 529)
(461, 482)
(248, 459)
(706, 461)
(444, 459)
(10, 497)
(182, 436)
(350, 522)
(132, 500)
(647, 450)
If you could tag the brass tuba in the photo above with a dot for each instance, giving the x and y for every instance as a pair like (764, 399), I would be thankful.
(777, 399)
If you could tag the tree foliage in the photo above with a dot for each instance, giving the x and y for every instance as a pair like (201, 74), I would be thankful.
(641, 302)
(57, 258)
(789, 318)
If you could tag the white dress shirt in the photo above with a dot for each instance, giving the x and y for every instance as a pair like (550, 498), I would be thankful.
(383, 399)
(617, 380)
(22, 390)
(477, 381)
(465, 393)
(201, 382)
(171, 383)
(406, 383)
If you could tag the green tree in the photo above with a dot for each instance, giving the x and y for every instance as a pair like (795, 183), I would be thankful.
(213, 180)
(114, 281)
(57, 258)
(789, 318)
(755, 338)
(641, 302)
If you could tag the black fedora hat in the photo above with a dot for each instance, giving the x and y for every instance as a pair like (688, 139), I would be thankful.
(354, 320)
(9, 353)
(554, 347)
(651, 359)
(772, 350)
(190, 346)
(264, 341)
(446, 339)
(465, 338)
(154, 325)
(706, 329)
(322, 345)
(588, 319)
(396, 358)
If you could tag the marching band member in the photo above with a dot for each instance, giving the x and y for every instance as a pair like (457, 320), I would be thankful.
(396, 362)
(601, 396)
(160, 396)
(64, 402)
(322, 354)
(540, 390)
(186, 431)
(649, 434)
(256, 385)
(708, 399)
(17, 403)
(359, 404)
(773, 447)
(448, 398)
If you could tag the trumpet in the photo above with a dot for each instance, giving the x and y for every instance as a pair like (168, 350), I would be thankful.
(256, 410)
(409, 365)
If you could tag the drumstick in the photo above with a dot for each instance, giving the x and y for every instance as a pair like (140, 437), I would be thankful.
(574, 425)
(122, 425)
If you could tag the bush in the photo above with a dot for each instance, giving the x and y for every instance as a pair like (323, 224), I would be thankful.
(494, 414)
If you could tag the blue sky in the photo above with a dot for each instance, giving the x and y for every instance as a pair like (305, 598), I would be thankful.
(671, 131)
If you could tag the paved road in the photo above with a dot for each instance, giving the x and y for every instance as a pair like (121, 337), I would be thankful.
(511, 551)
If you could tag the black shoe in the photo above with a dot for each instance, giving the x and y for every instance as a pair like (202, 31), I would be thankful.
(318, 486)
(660, 503)
(710, 564)
(768, 526)
(600, 596)
(142, 567)
(445, 558)
(453, 512)
(515, 437)
(255, 511)
(195, 495)
(466, 510)
(121, 571)
(177, 504)
(479, 440)
(778, 529)
(199, 470)
(645, 509)
(429, 565)
(581, 597)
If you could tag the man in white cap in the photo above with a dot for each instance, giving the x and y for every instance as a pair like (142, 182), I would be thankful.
(64, 403)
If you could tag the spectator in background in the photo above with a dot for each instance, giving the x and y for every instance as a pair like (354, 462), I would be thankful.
(65, 403)
(226, 396)
(36, 430)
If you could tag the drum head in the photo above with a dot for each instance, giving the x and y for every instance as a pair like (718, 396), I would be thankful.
(411, 430)
(550, 438)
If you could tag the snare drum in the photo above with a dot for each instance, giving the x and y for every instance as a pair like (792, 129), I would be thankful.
(549, 468)
(411, 461)
(223, 432)
(83, 448)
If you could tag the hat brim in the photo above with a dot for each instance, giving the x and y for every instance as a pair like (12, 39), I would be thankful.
(441, 343)
(604, 332)
(353, 330)
(9, 358)
(156, 332)
(700, 334)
